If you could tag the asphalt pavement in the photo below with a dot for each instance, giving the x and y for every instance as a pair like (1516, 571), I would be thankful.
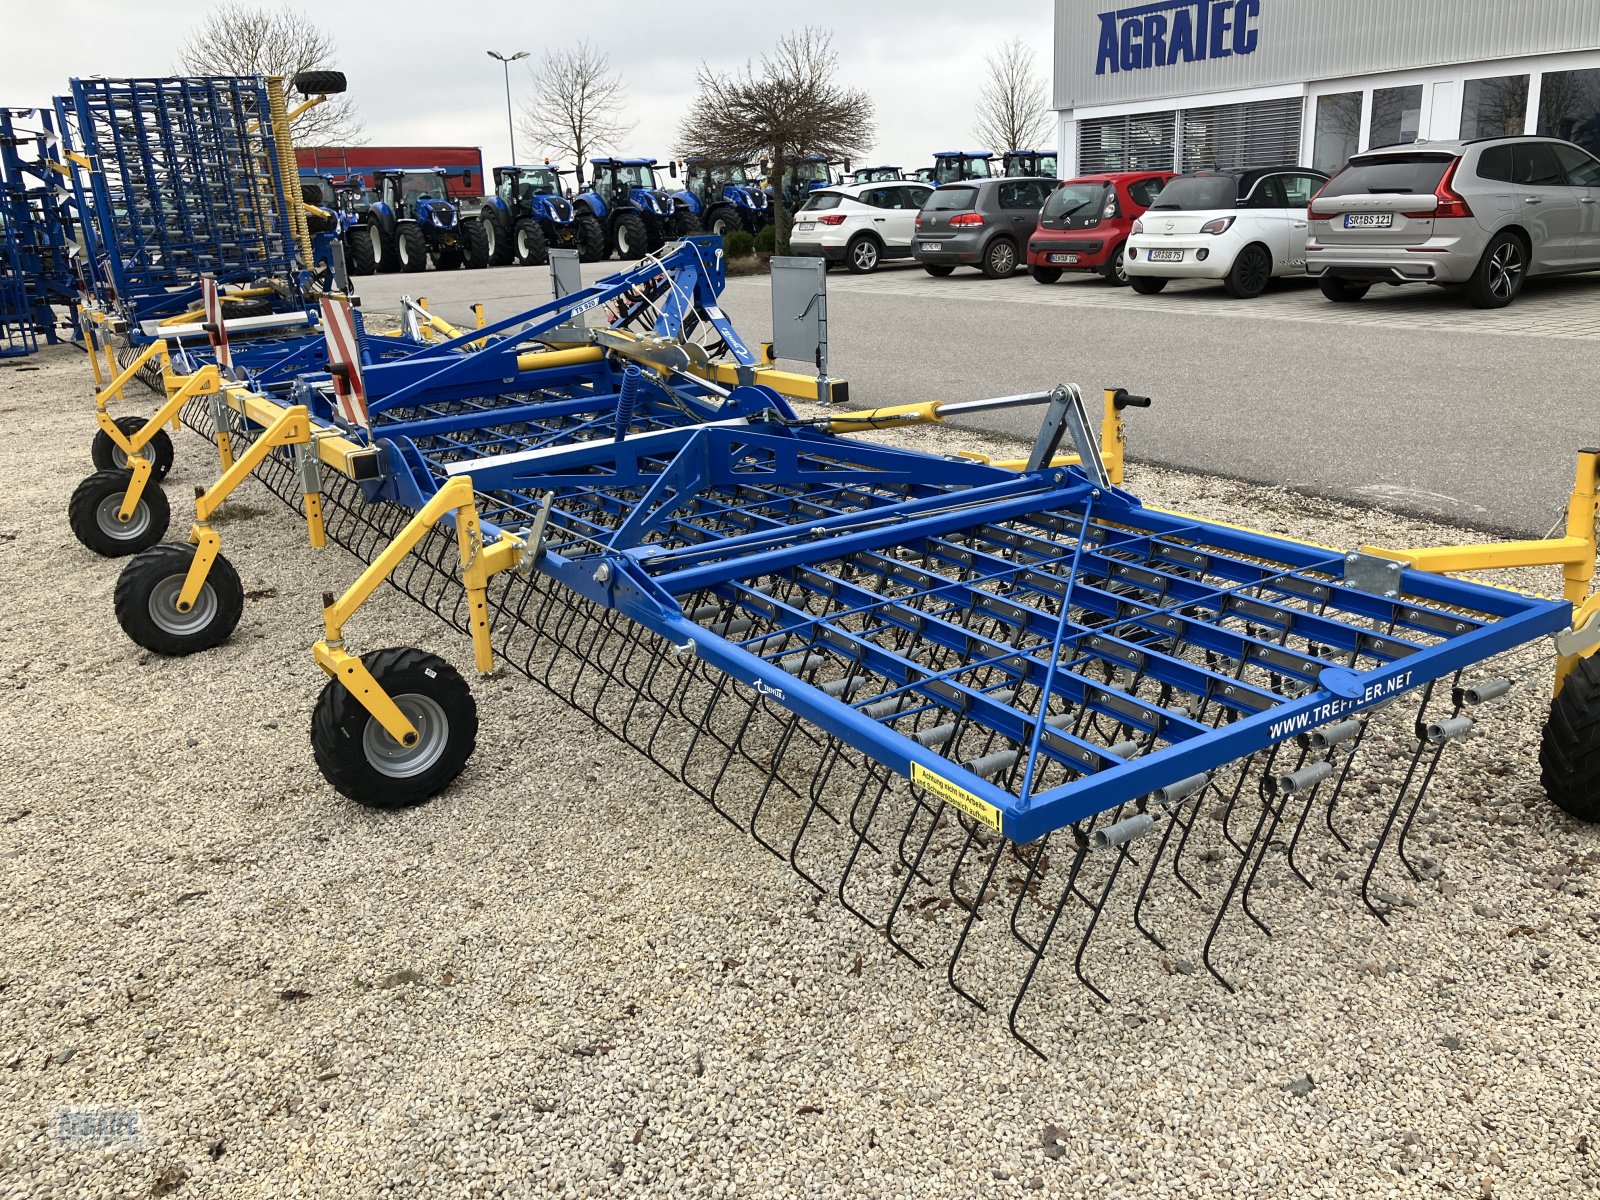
(1408, 401)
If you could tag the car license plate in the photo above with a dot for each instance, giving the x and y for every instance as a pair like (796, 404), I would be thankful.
(806, 226)
(933, 245)
(1368, 220)
(1166, 256)
(1064, 258)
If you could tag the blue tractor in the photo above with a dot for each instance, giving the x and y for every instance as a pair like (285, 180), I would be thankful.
(876, 175)
(725, 195)
(527, 214)
(637, 216)
(334, 206)
(411, 218)
(953, 166)
(1037, 163)
(803, 175)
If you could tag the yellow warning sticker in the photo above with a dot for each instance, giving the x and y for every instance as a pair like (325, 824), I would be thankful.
(940, 788)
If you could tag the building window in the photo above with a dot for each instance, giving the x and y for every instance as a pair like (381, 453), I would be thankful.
(1495, 107)
(1569, 107)
(1338, 130)
(1396, 115)
(1230, 136)
(1140, 142)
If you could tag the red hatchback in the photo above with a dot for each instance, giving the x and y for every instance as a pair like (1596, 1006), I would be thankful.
(1085, 223)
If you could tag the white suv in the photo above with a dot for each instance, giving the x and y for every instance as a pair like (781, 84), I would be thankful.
(859, 224)
(1242, 227)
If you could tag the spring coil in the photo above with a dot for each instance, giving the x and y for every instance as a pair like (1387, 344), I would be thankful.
(627, 398)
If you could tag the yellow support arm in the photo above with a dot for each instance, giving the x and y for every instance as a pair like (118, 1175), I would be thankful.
(478, 563)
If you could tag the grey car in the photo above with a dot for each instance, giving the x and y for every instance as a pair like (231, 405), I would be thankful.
(982, 223)
(1485, 214)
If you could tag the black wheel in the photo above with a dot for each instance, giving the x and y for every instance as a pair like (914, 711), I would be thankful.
(1500, 273)
(655, 231)
(533, 250)
(938, 271)
(359, 758)
(1045, 274)
(93, 509)
(1250, 273)
(1569, 753)
(449, 259)
(497, 236)
(631, 236)
(1342, 291)
(1146, 285)
(1000, 259)
(319, 83)
(474, 244)
(411, 248)
(863, 254)
(146, 601)
(385, 255)
(108, 456)
(686, 223)
(255, 306)
(591, 238)
(358, 251)
(722, 221)
(1115, 272)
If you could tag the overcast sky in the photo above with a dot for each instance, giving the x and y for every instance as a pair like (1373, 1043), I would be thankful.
(421, 76)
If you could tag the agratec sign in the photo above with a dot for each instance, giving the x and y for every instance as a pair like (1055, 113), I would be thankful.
(1168, 32)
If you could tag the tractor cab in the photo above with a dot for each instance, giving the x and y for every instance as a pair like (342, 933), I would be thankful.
(621, 177)
(1039, 164)
(953, 166)
(319, 190)
(519, 185)
(418, 195)
(636, 213)
(876, 175)
(923, 175)
(804, 175)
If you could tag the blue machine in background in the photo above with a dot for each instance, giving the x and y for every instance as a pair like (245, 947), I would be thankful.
(527, 214)
(725, 195)
(39, 262)
(637, 215)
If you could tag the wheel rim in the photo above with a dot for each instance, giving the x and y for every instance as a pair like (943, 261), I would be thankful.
(866, 256)
(522, 245)
(105, 516)
(624, 241)
(163, 607)
(1505, 270)
(1119, 266)
(388, 757)
(1003, 258)
(123, 461)
(376, 243)
(1253, 271)
(488, 236)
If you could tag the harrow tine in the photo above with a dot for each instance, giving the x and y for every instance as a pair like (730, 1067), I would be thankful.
(1394, 809)
(973, 915)
(1082, 847)
(1239, 873)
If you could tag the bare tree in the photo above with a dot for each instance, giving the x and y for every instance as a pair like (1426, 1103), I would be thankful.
(575, 105)
(792, 105)
(242, 39)
(1012, 113)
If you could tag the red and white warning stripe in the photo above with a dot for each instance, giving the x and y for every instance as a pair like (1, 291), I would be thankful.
(344, 361)
(211, 296)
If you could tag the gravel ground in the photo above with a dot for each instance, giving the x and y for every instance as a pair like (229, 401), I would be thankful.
(566, 976)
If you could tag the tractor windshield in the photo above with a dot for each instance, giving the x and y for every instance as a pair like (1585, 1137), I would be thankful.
(544, 181)
(633, 176)
(730, 173)
(422, 185)
(319, 191)
(812, 172)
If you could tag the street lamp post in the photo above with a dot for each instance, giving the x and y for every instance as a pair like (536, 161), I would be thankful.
(506, 62)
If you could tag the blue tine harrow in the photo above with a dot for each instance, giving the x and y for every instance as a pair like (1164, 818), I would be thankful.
(984, 708)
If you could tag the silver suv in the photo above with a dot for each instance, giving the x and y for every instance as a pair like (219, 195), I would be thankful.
(1485, 213)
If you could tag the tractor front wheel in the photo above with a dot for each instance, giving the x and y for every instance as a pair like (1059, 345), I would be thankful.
(1569, 752)
(591, 238)
(475, 244)
(93, 512)
(364, 762)
(655, 232)
(533, 248)
(412, 249)
(146, 601)
(108, 456)
(722, 221)
(359, 250)
(497, 236)
(632, 240)
(686, 223)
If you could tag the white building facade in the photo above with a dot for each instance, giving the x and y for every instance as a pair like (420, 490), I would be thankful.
(1185, 84)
